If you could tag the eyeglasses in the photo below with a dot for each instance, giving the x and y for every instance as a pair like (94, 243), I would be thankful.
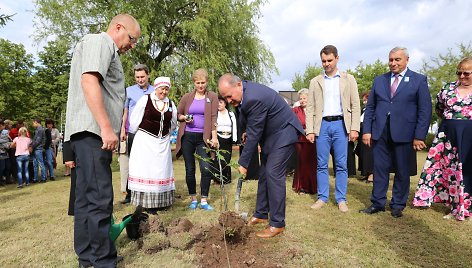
(133, 40)
(466, 74)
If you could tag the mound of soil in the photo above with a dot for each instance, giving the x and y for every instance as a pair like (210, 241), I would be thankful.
(229, 241)
(242, 248)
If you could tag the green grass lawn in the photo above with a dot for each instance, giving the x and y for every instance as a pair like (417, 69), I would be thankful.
(35, 230)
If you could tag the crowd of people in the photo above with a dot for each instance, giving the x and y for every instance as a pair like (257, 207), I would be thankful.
(22, 153)
(137, 122)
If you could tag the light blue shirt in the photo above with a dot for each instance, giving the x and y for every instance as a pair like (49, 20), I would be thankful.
(332, 96)
(133, 94)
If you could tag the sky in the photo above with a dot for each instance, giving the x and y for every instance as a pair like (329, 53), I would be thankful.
(296, 30)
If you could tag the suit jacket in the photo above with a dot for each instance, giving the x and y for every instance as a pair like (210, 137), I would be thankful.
(409, 109)
(267, 119)
(349, 101)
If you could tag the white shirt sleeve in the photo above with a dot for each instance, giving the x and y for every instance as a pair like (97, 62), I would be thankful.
(137, 115)
(235, 126)
(173, 121)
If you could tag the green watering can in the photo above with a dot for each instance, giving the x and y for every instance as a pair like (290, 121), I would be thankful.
(117, 228)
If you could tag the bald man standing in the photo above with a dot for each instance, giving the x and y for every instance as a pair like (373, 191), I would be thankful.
(96, 79)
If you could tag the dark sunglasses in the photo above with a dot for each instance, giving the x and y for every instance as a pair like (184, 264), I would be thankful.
(463, 73)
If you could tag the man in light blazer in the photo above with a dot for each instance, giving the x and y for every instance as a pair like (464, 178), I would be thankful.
(396, 119)
(332, 119)
(270, 122)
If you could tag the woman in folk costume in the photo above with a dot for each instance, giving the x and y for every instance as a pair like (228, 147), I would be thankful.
(151, 177)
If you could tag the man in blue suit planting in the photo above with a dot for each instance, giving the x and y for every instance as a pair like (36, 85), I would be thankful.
(269, 121)
(396, 118)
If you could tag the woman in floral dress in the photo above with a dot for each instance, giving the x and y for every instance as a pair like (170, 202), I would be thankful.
(447, 172)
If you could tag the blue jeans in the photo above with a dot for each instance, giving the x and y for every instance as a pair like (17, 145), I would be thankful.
(39, 160)
(22, 162)
(332, 134)
(50, 161)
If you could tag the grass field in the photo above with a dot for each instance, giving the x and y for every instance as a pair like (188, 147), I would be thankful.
(35, 230)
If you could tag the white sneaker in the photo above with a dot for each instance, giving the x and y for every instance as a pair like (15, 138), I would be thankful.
(318, 204)
(343, 206)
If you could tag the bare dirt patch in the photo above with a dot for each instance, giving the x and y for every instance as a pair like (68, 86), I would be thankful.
(242, 247)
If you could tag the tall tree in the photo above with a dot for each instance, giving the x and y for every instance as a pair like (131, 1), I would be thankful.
(51, 80)
(178, 36)
(15, 80)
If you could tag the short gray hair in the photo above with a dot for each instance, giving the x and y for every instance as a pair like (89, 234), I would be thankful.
(230, 78)
(303, 91)
(405, 51)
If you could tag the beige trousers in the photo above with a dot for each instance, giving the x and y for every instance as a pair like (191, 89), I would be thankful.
(123, 159)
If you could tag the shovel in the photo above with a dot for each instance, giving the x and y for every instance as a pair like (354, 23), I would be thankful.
(239, 186)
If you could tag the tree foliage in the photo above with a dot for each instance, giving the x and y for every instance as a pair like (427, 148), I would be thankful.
(15, 80)
(51, 81)
(178, 36)
(441, 69)
(365, 74)
(303, 81)
(5, 18)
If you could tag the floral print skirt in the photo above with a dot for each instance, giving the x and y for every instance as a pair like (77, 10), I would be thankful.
(447, 172)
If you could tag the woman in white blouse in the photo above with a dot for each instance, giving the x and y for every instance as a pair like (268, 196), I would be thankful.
(151, 176)
(227, 135)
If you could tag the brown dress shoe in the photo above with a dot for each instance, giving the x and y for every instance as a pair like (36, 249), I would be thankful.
(270, 232)
(254, 221)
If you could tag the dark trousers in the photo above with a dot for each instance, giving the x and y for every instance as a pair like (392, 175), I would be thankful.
(226, 145)
(93, 201)
(130, 143)
(2, 168)
(271, 185)
(193, 142)
(386, 153)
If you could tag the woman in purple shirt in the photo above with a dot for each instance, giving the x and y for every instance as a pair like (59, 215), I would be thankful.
(197, 113)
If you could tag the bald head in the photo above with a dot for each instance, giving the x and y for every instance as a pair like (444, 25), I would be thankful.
(125, 31)
(124, 19)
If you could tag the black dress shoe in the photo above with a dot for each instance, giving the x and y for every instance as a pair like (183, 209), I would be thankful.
(396, 212)
(371, 210)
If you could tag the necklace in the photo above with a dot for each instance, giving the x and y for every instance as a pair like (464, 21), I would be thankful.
(164, 105)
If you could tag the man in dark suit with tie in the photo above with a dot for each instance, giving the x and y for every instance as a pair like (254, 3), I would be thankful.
(269, 121)
(396, 119)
